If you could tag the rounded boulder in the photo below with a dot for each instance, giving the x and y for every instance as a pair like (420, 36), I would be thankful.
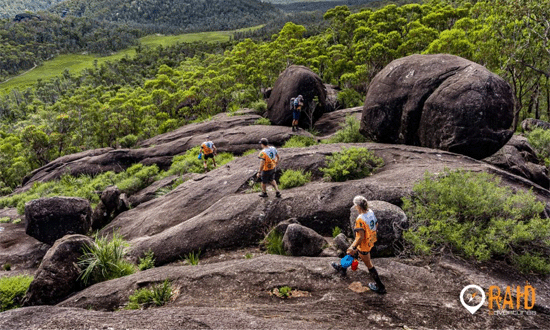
(439, 101)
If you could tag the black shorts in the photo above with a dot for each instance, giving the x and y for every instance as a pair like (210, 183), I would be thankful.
(210, 155)
(296, 114)
(268, 176)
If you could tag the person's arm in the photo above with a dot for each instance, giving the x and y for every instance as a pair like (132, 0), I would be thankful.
(359, 236)
(214, 149)
(277, 159)
(261, 167)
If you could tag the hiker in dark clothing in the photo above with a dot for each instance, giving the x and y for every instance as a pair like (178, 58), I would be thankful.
(297, 105)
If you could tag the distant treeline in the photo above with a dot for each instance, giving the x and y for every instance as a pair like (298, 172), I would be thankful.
(28, 43)
(173, 16)
(326, 5)
(10, 8)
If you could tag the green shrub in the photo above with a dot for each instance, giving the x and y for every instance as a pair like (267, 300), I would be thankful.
(472, 215)
(12, 291)
(128, 141)
(139, 177)
(294, 178)
(336, 231)
(285, 291)
(539, 139)
(259, 106)
(193, 258)
(105, 260)
(248, 256)
(299, 141)
(273, 243)
(159, 295)
(349, 132)
(351, 163)
(16, 221)
(262, 121)
(189, 162)
(5, 220)
(147, 262)
(6, 266)
(349, 98)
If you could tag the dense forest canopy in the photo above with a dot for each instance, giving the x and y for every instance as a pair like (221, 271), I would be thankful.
(10, 8)
(174, 16)
(161, 89)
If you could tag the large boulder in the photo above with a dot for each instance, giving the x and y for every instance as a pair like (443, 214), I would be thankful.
(302, 241)
(518, 157)
(49, 219)
(17, 249)
(391, 223)
(296, 80)
(331, 122)
(439, 101)
(57, 276)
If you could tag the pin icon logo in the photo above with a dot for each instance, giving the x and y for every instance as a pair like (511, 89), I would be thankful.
(472, 291)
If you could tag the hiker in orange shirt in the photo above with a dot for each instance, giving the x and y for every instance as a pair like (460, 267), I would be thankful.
(270, 158)
(365, 237)
(208, 150)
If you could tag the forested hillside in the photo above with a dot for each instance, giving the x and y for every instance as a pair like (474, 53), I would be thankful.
(27, 43)
(171, 16)
(10, 8)
(134, 99)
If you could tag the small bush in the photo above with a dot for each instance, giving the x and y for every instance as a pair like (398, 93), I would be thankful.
(12, 291)
(6, 267)
(248, 256)
(16, 221)
(299, 141)
(139, 177)
(539, 139)
(159, 295)
(349, 132)
(5, 220)
(472, 215)
(147, 262)
(189, 162)
(274, 243)
(262, 121)
(259, 106)
(285, 291)
(193, 258)
(105, 260)
(351, 163)
(336, 231)
(128, 141)
(294, 178)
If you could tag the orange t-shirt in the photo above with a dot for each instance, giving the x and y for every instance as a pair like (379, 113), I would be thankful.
(207, 147)
(269, 155)
(368, 223)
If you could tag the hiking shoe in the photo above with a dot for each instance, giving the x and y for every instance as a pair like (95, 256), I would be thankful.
(375, 288)
(278, 194)
(264, 194)
(339, 268)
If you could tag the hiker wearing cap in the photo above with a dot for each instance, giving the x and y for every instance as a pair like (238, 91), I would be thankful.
(365, 237)
(208, 150)
(297, 104)
(270, 158)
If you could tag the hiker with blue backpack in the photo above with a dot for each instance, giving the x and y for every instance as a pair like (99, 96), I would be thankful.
(296, 105)
(208, 150)
(365, 228)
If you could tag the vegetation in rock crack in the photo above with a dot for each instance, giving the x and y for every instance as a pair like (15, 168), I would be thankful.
(189, 163)
(104, 260)
(273, 243)
(193, 258)
(285, 291)
(472, 215)
(6, 266)
(294, 178)
(336, 231)
(348, 133)
(147, 262)
(158, 295)
(5, 220)
(262, 121)
(299, 141)
(248, 255)
(351, 163)
(12, 291)
(250, 152)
